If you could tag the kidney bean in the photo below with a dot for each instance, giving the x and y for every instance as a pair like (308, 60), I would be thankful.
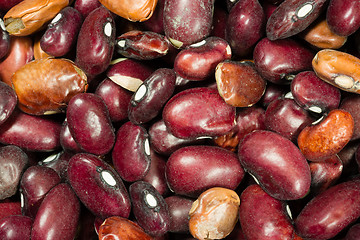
(198, 112)
(292, 17)
(256, 221)
(45, 86)
(4, 40)
(275, 60)
(131, 153)
(38, 51)
(198, 61)
(95, 42)
(21, 52)
(245, 26)
(353, 232)
(328, 137)
(333, 209)
(61, 33)
(122, 228)
(273, 92)
(287, 175)
(155, 22)
(179, 207)
(214, 214)
(150, 209)
(9, 208)
(89, 123)
(128, 73)
(98, 186)
(15, 227)
(34, 133)
(67, 141)
(61, 209)
(194, 164)
(58, 162)
(85, 7)
(338, 68)
(183, 28)
(313, 94)
(35, 183)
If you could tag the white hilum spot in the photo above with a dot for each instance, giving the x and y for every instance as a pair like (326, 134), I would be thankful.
(147, 147)
(2, 25)
(315, 109)
(344, 81)
(198, 44)
(121, 43)
(22, 203)
(108, 178)
(56, 18)
(140, 93)
(51, 158)
(289, 211)
(151, 200)
(108, 29)
(304, 10)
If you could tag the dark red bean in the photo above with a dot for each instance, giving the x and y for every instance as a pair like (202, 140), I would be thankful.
(179, 208)
(351, 104)
(10, 208)
(66, 139)
(272, 92)
(13, 162)
(188, 170)
(151, 96)
(58, 215)
(15, 227)
(256, 221)
(8, 101)
(330, 212)
(4, 40)
(245, 26)
(98, 186)
(150, 209)
(61, 34)
(219, 22)
(86, 6)
(343, 17)
(275, 60)
(35, 183)
(89, 123)
(198, 112)
(131, 153)
(292, 17)
(155, 23)
(183, 28)
(313, 94)
(96, 41)
(58, 162)
(276, 163)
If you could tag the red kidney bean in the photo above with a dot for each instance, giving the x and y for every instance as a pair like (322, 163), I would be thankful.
(85, 7)
(277, 164)
(183, 28)
(15, 227)
(151, 96)
(353, 233)
(58, 162)
(66, 139)
(292, 17)
(131, 153)
(343, 17)
(96, 41)
(13, 162)
(269, 8)
(89, 123)
(4, 40)
(188, 170)
(8, 101)
(272, 92)
(61, 34)
(268, 220)
(351, 104)
(35, 183)
(58, 215)
(198, 112)
(330, 212)
(155, 22)
(179, 208)
(198, 61)
(98, 186)
(150, 209)
(286, 118)
(10, 208)
(245, 26)
(34, 133)
(313, 94)
(275, 60)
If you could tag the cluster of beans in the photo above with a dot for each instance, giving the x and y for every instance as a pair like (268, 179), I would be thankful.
(179, 119)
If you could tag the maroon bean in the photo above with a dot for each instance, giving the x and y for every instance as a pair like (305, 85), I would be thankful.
(96, 41)
(13, 162)
(330, 212)
(198, 112)
(15, 227)
(313, 94)
(245, 26)
(151, 96)
(58, 215)
(272, 92)
(9, 208)
(194, 169)
(58, 162)
(4, 40)
(343, 17)
(268, 220)
(351, 104)
(155, 23)
(8, 101)
(179, 208)
(353, 233)
(35, 133)
(276, 163)
(86, 6)
(35, 183)
(61, 34)
(89, 123)
(183, 28)
(98, 186)
(275, 60)
(150, 209)
(66, 139)
(292, 17)
(131, 153)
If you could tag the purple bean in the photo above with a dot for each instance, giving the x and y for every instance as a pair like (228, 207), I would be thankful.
(15, 227)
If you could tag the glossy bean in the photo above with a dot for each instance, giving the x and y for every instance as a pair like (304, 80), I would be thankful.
(58, 162)
(67, 141)
(179, 208)
(15, 227)
(86, 6)
(10, 208)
